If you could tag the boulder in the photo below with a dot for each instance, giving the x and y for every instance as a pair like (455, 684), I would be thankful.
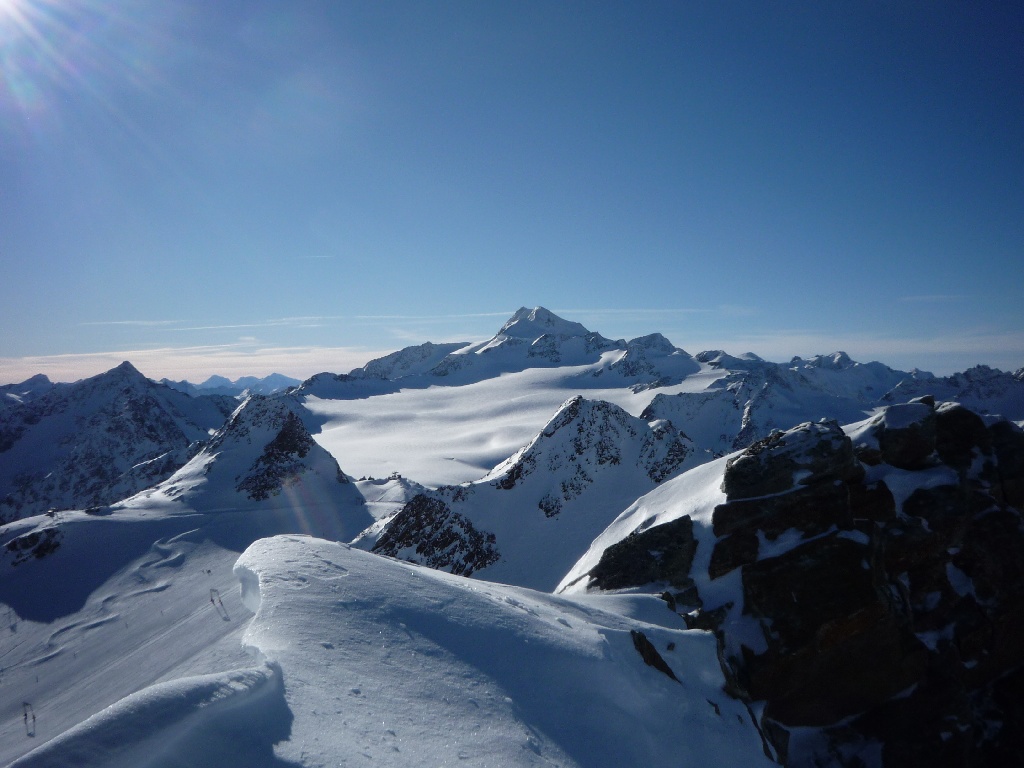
(661, 554)
(807, 454)
(908, 434)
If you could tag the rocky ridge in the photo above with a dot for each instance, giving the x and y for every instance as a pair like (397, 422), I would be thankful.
(878, 575)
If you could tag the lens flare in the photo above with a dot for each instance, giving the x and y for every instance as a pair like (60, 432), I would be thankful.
(56, 55)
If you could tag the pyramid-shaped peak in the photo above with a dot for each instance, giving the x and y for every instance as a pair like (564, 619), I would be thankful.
(534, 323)
(123, 372)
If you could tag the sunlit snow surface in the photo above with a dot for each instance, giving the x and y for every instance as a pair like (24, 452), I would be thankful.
(443, 434)
(403, 665)
(354, 659)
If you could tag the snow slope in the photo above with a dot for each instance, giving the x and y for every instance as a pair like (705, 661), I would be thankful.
(352, 657)
(120, 606)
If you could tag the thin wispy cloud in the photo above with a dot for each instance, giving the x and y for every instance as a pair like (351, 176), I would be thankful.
(195, 363)
(144, 323)
(936, 298)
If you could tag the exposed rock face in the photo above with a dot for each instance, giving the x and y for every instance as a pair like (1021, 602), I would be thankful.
(650, 654)
(883, 613)
(286, 450)
(586, 435)
(280, 462)
(439, 538)
(880, 586)
(805, 455)
(663, 553)
(35, 544)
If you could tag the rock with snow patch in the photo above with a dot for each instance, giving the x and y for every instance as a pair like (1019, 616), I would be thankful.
(804, 455)
(426, 531)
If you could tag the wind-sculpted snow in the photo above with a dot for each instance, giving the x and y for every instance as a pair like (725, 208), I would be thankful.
(223, 720)
(531, 517)
(397, 665)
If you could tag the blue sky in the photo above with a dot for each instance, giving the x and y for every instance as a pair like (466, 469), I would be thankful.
(242, 187)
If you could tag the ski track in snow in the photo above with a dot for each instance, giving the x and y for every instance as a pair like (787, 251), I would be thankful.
(151, 622)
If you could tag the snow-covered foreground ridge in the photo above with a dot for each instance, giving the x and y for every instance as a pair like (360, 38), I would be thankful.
(367, 660)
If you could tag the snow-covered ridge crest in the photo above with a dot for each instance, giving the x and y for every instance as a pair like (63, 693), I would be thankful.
(265, 459)
(406, 666)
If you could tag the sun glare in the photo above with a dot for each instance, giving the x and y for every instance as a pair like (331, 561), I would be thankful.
(87, 49)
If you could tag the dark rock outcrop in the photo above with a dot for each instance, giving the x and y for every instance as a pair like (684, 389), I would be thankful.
(439, 537)
(880, 586)
(650, 654)
(896, 620)
(807, 454)
(663, 553)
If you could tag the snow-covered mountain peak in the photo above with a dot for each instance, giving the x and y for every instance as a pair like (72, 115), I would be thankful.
(11, 394)
(837, 361)
(408, 361)
(654, 342)
(97, 441)
(125, 371)
(265, 459)
(536, 322)
(587, 434)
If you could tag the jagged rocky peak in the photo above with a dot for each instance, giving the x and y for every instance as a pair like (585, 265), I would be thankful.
(585, 435)
(257, 417)
(125, 371)
(427, 531)
(267, 447)
(536, 322)
(31, 388)
(97, 441)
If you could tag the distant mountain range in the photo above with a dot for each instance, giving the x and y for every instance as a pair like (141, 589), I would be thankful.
(219, 385)
(831, 548)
